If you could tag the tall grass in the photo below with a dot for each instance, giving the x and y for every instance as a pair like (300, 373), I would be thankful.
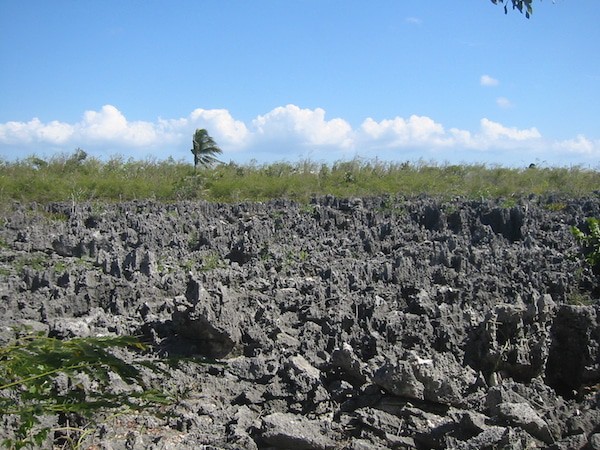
(78, 177)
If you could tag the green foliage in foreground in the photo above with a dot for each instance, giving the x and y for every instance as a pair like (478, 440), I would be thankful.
(590, 242)
(29, 369)
(78, 178)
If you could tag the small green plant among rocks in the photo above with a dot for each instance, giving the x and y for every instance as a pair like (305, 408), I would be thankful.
(580, 299)
(211, 261)
(30, 388)
(590, 242)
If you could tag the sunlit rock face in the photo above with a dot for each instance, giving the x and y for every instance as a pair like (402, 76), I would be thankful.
(341, 323)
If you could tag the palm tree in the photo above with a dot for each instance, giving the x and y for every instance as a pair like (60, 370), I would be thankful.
(204, 149)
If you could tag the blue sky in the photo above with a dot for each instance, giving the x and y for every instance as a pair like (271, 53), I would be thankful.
(274, 80)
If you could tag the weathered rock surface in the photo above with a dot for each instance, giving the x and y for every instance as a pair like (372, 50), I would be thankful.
(344, 323)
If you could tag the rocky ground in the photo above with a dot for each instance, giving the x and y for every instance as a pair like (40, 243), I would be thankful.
(340, 324)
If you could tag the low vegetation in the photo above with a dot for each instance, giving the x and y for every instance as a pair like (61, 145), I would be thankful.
(79, 177)
(589, 239)
(30, 388)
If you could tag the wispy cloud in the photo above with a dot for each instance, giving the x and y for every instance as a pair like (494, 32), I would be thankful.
(413, 21)
(287, 132)
(488, 81)
(504, 103)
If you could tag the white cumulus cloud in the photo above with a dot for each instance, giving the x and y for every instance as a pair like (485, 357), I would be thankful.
(110, 125)
(417, 130)
(496, 131)
(223, 127)
(488, 81)
(289, 131)
(579, 145)
(35, 131)
(306, 126)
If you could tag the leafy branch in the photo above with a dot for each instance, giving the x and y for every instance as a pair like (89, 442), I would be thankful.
(521, 5)
(589, 240)
(29, 372)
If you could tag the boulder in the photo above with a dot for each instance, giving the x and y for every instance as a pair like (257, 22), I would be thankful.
(283, 430)
(525, 417)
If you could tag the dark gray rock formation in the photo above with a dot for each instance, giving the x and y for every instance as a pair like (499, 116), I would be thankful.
(369, 323)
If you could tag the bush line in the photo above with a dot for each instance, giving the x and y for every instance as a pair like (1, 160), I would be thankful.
(79, 177)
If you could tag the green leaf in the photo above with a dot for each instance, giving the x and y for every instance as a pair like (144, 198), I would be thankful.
(577, 233)
(28, 367)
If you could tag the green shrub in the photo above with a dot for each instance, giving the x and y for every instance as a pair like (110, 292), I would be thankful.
(29, 367)
(79, 177)
(590, 242)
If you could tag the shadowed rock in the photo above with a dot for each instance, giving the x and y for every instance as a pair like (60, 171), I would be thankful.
(343, 323)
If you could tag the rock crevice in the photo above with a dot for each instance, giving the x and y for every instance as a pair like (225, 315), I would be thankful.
(344, 323)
